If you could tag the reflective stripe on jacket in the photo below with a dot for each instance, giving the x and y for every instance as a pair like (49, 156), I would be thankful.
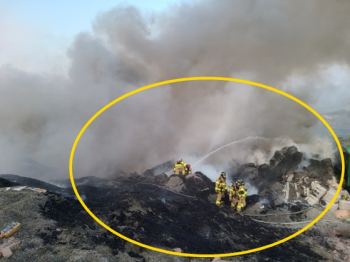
(220, 186)
(232, 192)
(178, 165)
(242, 192)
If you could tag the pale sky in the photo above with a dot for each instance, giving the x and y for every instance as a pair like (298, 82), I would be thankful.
(41, 31)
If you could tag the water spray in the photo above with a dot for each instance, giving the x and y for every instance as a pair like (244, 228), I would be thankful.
(235, 142)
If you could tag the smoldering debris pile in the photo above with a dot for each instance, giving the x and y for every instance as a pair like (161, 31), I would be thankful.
(309, 188)
(292, 178)
(166, 212)
(180, 212)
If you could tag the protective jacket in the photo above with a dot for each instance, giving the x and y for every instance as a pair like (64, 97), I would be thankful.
(242, 192)
(232, 192)
(180, 164)
(177, 165)
(220, 186)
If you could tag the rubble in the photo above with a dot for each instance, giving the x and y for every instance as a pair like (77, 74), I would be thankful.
(20, 188)
(344, 203)
(175, 183)
(341, 248)
(291, 178)
(39, 190)
(342, 214)
(8, 246)
(10, 230)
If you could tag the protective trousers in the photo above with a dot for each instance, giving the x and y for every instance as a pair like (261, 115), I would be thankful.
(234, 202)
(241, 203)
(220, 196)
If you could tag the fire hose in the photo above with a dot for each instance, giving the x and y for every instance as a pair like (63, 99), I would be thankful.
(265, 215)
(169, 190)
(291, 223)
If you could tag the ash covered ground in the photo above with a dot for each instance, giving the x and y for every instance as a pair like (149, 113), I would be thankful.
(172, 212)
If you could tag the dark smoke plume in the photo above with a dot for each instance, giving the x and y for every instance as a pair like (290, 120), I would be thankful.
(288, 45)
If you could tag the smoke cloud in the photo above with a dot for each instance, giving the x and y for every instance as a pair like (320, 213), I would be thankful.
(286, 44)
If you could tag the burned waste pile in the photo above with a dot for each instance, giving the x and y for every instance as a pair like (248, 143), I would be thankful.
(172, 212)
(179, 212)
(293, 178)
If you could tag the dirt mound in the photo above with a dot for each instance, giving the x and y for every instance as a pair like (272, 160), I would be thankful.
(7, 183)
(31, 182)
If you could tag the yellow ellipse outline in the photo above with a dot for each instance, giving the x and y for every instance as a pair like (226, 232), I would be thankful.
(192, 79)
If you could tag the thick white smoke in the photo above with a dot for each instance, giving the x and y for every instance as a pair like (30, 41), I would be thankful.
(41, 114)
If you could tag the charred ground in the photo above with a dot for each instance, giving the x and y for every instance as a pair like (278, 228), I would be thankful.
(167, 212)
(157, 217)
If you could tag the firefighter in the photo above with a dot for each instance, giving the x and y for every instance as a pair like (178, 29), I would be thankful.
(233, 194)
(178, 164)
(220, 188)
(241, 195)
(188, 169)
(181, 163)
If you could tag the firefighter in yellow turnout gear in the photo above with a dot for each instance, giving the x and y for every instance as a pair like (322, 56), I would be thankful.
(233, 194)
(220, 188)
(241, 195)
(180, 166)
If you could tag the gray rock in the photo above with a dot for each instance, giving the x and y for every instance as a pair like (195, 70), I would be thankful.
(175, 183)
